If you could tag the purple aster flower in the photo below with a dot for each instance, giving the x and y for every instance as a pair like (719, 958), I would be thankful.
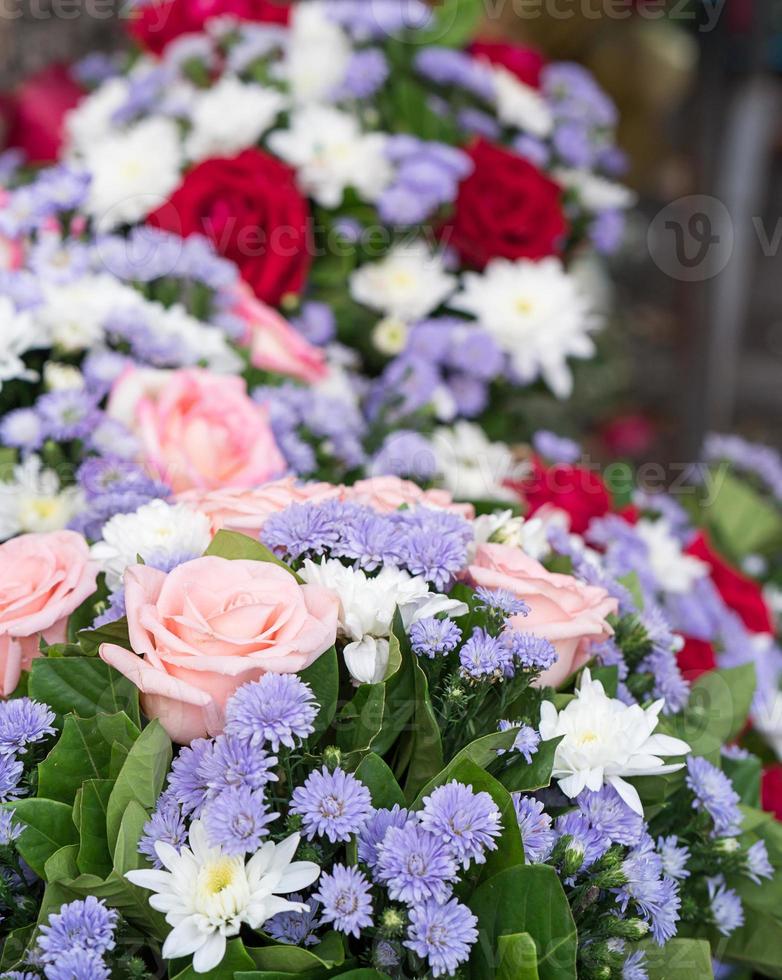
(295, 928)
(656, 897)
(607, 230)
(634, 968)
(442, 934)
(316, 321)
(526, 742)
(432, 637)
(674, 857)
(236, 820)
(166, 824)
(22, 723)
(402, 205)
(608, 813)
(114, 610)
(346, 896)
(68, 414)
(470, 394)
(186, 781)
(725, 907)
(9, 829)
(473, 120)
(572, 143)
(532, 149)
(758, 460)
(304, 529)
(82, 925)
(502, 600)
(584, 845)
(555, 448)
(374, 830)
(415, 865)
(101, 368)
(78, 964)
(407, 454)
(278, 709)
(57, 261)
(714, 792)
(368, 538)
(466, 821)
(234, 762)
(365, 74)
(433, 543)
(332, 804)
(112, 474)
(537, 834)
(22, 428)
(485, 656)
(529, 651)
(448, 67)
(111, 437)
(96, 67)
(11, 770)
(757, 863)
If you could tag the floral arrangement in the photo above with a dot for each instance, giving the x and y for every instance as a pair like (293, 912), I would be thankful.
(367, 733)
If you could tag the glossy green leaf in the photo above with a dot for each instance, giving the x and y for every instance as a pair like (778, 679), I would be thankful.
(455, 23)
(380, 781)
(232, 545)
(743, 522)
(323, 677)
(48, 827)
(84, 750)
(294, 959)
(83, 686)
(361, 719)
(94, 856)
(236, 958)
(517, 957)
(90, 640)
(141, 777)
(678, 959)
(717, 710)
(523, 776)
(423, 738)
(524, 899)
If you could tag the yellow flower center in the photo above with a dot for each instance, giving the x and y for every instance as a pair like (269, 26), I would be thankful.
(588, 737)
(523, 306)
(219, 875)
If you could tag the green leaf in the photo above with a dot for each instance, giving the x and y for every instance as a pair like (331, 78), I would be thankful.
(717, 710)
(678, 959)
(633, 585)
(94, 856)
(48, 827)
(361, 974)
(293, 959)
(236, 958)
(518, 957)
(379, 780)
(524, 899)
(83, 751)
(424, 743)
(521, 776)
(116, 632)
(361, 719)
(141, 777)
(323, 677)
(608, 677)
(15, 946)
(454, 25)
(743, 522)
(83, 686)
(232, 545)
(126, 853)
(745, 775)
(757, 945)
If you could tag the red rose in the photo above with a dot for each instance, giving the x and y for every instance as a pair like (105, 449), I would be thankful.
(506, 209)
(696, 657)
(252, 211)
(739, 593)
(771, 790)
(629, 435)
(157, 24)
(578, 491)
(35, 113)
(525, 63)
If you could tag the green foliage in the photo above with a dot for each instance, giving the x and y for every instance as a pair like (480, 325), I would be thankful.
(141, 777)
(741, 521)
(48, 827)
(232, 545)
(678, 959)
(84, 686)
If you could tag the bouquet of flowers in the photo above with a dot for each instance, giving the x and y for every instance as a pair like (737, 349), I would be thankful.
(375, 737)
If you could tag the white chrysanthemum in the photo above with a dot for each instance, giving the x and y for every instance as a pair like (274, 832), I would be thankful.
(73, 313)
(595, 193)
(207, 896)
(530, 534)
(536, 312)
(231, 116)
(521, 105)
(408, 283)
(472, 467)
(606, 741)
(32, 500)
(330, 153)
(132, 172)
(92, 120)
(317, 55)
(62, 377)
(157, 531)
(200, 343)
(674, 571)
(367, 607)
(19, 333)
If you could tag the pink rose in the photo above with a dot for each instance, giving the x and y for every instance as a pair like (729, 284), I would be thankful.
(43, 578)
(274, 344)
(566, 612)
(211, 625)
(197, 429)
(389, 493)
(246, 511)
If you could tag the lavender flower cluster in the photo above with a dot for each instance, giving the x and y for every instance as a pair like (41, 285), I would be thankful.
(73, 943)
